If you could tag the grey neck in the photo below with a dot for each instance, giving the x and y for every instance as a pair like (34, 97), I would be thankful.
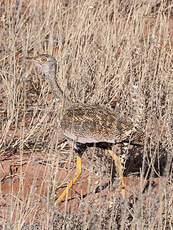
(57, 91)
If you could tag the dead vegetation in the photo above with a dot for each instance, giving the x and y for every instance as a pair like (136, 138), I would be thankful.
(114, 53)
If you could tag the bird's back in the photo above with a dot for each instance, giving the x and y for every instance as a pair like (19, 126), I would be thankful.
(93, 124)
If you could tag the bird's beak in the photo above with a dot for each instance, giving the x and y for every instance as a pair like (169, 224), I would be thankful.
(33, 60)
(30, 59)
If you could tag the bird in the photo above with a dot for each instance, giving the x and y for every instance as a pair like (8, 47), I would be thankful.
(85, 124)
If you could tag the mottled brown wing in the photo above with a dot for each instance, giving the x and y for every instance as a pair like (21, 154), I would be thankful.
(92, 124)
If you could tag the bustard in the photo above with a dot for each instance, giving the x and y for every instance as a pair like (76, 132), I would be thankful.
(86, 124)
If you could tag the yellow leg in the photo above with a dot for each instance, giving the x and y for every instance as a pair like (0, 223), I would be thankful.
(77, 174)
(120, 171)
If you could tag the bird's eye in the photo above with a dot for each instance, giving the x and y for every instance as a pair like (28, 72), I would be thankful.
(43, 59)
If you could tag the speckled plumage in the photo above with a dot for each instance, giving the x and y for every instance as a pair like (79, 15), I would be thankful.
(93, 124)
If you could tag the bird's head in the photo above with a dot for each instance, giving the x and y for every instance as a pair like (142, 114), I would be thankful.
(45, 62)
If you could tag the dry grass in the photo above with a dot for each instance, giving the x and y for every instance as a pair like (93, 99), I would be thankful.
(107, 52)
